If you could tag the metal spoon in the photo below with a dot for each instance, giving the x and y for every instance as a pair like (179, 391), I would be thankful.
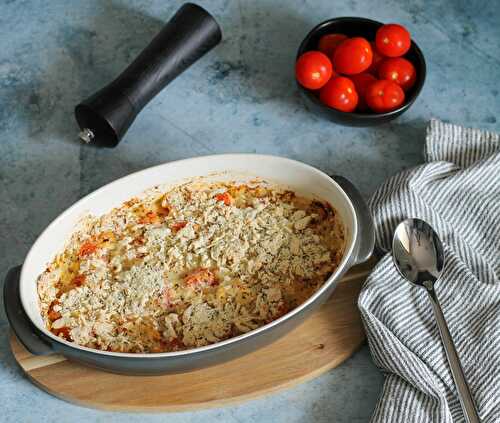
(418, 255)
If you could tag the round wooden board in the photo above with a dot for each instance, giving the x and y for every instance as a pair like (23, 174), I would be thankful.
(322, 342)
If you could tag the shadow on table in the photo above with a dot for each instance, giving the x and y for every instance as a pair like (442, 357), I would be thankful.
(409, 141)
(7, 361)
(256, 60)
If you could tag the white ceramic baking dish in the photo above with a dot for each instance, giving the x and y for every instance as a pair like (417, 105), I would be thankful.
(20, 291)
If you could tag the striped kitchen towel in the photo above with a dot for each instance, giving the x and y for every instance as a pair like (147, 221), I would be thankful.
(457, 191)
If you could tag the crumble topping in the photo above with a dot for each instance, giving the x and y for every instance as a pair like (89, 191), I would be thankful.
(189, 267)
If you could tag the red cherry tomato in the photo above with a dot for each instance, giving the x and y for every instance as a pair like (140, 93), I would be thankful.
(377, 58)
(384, 96)
(313, 70)
(340, 94)
(399, 70)
(392, 40)
(328, 43)
(353, 55)
(361, 82)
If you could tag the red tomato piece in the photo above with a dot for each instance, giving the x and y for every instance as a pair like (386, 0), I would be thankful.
(177, 226)
(52, 314)
(64, 332)
(392, 40)
(340, 94)
(328, 43)
(168, 298)
(78, 280)
(399, 70)
(361, 82)
(225, 198)
(87, 248)
(150, 218)
(377, 58)
(201, 277)
(313, 70)
(384, 96)
(353, 55)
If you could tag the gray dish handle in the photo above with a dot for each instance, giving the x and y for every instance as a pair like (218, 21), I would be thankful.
(33, 340)
(366, 235)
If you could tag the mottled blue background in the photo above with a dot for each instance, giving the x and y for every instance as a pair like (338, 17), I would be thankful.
(240, 98)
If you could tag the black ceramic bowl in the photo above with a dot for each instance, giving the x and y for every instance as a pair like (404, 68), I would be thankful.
(359, 27)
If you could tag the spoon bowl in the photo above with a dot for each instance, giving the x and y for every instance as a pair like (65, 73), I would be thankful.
(417, 252)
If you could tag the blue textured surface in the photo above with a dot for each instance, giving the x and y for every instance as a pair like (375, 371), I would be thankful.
(240, 98)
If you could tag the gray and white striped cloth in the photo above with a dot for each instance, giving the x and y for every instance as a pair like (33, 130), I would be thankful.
(457, 191)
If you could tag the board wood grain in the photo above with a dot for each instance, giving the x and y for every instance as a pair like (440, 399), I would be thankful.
(322, 342)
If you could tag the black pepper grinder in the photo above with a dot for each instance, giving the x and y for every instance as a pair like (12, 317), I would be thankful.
(105, 116)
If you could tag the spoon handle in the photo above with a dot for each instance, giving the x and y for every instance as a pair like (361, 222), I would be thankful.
(464, 394)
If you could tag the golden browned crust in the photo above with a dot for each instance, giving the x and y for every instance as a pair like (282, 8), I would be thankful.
(189, 267)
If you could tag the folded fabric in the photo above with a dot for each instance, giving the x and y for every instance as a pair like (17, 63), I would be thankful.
(457, 191)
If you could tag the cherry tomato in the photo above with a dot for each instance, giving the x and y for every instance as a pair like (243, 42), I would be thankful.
(377, 58)
(313, 70)
(399, 70)
(361, 82)
(353, 55)
(328, 43)
(340, 94)
(384, 96)
(392, 40)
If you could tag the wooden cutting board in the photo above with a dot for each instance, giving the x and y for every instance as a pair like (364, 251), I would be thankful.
(322, 342)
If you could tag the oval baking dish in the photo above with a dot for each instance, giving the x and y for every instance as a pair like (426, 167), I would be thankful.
(20, 289)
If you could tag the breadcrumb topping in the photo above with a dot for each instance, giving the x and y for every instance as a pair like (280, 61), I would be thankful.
(189, 267)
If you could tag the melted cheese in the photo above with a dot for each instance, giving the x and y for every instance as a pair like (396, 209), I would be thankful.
(189, 267)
